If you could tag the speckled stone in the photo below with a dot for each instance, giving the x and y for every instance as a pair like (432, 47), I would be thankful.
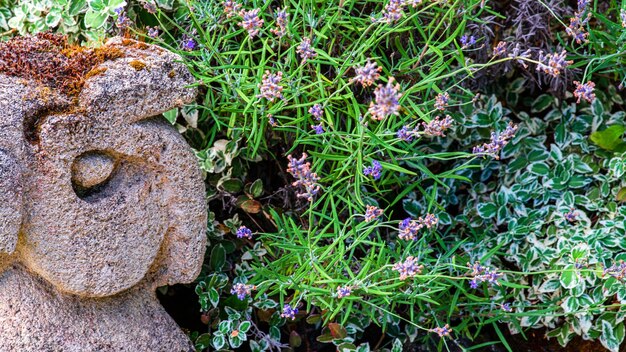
(101, 202)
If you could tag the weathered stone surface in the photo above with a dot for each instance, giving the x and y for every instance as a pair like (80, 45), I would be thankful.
(100, 203)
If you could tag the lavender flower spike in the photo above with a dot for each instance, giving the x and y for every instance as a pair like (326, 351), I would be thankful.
(386, 101)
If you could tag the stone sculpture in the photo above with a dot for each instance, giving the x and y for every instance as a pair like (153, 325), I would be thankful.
(101, 201)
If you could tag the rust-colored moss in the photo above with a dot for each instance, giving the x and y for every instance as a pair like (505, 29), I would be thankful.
(50, 60)
(172, 74)
(137, 65)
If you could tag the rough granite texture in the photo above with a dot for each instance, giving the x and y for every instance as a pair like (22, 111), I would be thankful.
(100, 203)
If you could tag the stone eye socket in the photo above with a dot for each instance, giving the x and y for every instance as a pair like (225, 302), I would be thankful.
(91, 172)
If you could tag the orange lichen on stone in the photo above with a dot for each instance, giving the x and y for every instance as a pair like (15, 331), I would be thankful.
(51, 61)
(134, 43)
(137, 65)
(95, 71)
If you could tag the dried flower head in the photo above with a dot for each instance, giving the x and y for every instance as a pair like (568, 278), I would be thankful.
(442, 331)
(407, 133)
(251, 22)
(441, 101)
(617, 271)
(408, 268)
(271, 120)
(394, 10)
(408, 228)
(437, 127)
(482, 274)
(386, 101)
(305, 50)
(301, 170)
(150, 7)
(519, 56)
(500, 49)
(553, 64)
(270, 86)
(368, 74)
(231, 8)
(413, 3)
(372, 213)
(497, 142)
(584, 91)
(281, 23)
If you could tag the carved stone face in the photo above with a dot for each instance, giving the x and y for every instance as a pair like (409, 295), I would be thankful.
(100, 194)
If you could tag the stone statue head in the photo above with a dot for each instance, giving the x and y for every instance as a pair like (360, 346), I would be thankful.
(98, 193)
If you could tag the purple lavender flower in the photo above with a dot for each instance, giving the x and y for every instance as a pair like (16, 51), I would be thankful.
(231, 8)
(319, 129)
(153, 32)
(482, 274)
(251, 22)
(373, 170)
(576, 28)
(406, 133)
(498, 142)
(271, 120)
(467, 41)
(408, 228)
(281, 23)
(442, 331)
(244, 232)
(394, 10)
(150, 7)
(242, 290)
(570, 215)
(368, 74)
(622, 16)
(408, 268)
(188, 43)
(507, 307)
(305, 50)
(441, 101)
(413, 3)
(617, 271)
(372, 213)
(437, 127)
(301, 170)
(584, 91)
(520, 56)
(500, 49)
(317, 111)
(289, 313)
(270, 87)
(553, 64)
(343, 291)
(122, 21)
(386, 101)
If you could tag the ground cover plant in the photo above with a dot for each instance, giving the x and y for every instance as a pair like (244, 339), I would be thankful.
(394, 175)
